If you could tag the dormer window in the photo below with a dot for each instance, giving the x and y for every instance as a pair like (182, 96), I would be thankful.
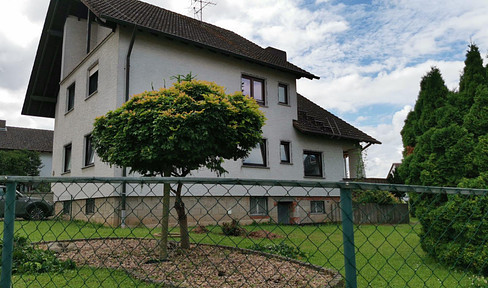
(254, 88)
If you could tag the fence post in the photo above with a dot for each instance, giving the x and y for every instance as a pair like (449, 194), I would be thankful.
(8, 235)
(348, 237)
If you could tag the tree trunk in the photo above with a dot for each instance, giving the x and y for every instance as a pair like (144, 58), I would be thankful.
(163, 244)
(182, 219)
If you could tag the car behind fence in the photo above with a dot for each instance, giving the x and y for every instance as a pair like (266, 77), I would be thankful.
(106, 232)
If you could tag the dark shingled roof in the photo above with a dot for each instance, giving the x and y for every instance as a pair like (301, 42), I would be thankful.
(43, 88)
(16, 138)
(313, 119)
(184, 28)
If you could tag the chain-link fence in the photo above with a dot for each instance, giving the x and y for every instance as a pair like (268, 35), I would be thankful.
(94, 232)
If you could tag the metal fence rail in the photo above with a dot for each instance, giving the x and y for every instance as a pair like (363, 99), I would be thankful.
(106, 232)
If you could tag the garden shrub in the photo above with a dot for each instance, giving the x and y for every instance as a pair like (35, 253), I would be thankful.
(373, 196)
(455, 233)
(232, 228)
(282, 249)
(27, 259)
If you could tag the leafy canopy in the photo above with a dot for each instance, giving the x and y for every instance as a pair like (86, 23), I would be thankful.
(190, 125)
(19, 163)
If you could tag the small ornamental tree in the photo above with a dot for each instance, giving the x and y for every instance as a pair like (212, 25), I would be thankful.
(173, 131)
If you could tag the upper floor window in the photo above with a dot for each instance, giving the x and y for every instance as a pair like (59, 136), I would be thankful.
(67, 158)
(89, 152)
(257, 156)
(283, 93)
(253, 87)
(285, 152)
(70, 97)
(93, 80)
(312, 164)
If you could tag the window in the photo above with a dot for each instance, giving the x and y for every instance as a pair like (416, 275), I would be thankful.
(312, 164)
(70, 97)
(254, 88)
(259, 206)
(90, 206)
(283, 93)
(89, 153)
(67, 158)
(317, 207)
(67, 207)
(93, 80)
(285, 152)
(257, 156)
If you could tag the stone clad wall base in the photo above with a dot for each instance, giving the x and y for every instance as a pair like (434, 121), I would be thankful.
(201, 210)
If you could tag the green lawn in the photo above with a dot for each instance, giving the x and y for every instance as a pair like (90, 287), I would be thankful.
(387, 255)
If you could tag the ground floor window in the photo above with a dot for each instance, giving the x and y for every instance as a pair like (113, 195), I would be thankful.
(259, 206)
(90, 206)
(312, 164)
(67, 207)
(317, 207)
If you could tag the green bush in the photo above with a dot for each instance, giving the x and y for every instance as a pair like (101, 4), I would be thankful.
(232, 228)
(456, 232)
(373, 196)
(282, 249)
(27, 259)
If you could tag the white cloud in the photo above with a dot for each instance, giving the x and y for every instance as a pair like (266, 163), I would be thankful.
(367, 55)
(380, 157)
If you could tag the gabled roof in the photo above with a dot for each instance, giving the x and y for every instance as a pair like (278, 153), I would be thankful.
(187, 29)
(43, 85)
(16, 138)
(313, 119)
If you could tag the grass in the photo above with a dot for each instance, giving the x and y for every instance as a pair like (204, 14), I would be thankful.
(386, 255)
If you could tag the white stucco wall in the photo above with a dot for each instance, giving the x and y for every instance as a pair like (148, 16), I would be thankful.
(72, 126)
(153, 61)
(46, 160)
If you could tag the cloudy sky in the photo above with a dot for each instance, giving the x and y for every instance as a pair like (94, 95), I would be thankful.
(370, 54)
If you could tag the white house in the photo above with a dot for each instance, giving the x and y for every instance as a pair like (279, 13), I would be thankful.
(94, 54)
(39, 140)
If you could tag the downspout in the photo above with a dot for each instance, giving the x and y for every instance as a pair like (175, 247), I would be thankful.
(127, 81)
(88, 31)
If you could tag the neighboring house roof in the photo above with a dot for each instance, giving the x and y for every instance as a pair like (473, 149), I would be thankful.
(313, 119)
(43, 87)
(16, 138)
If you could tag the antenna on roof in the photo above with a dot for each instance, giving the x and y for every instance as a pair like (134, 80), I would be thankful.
(199, 11)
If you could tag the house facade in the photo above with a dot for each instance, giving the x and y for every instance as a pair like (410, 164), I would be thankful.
(98, 53)
(18, 138)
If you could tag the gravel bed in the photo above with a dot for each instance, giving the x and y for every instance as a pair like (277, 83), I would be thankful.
(200, 266)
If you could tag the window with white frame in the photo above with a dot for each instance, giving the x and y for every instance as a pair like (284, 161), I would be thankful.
(254, 88)
(70, 97)
(89, 152)
(282, 93)
(257, 156)
(317, 207)
(312, 164)
(67, 158)
(93, 80)
(259, 206)
(285, 156)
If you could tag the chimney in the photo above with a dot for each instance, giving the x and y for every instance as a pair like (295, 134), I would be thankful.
(3, 126)
(276, 53)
